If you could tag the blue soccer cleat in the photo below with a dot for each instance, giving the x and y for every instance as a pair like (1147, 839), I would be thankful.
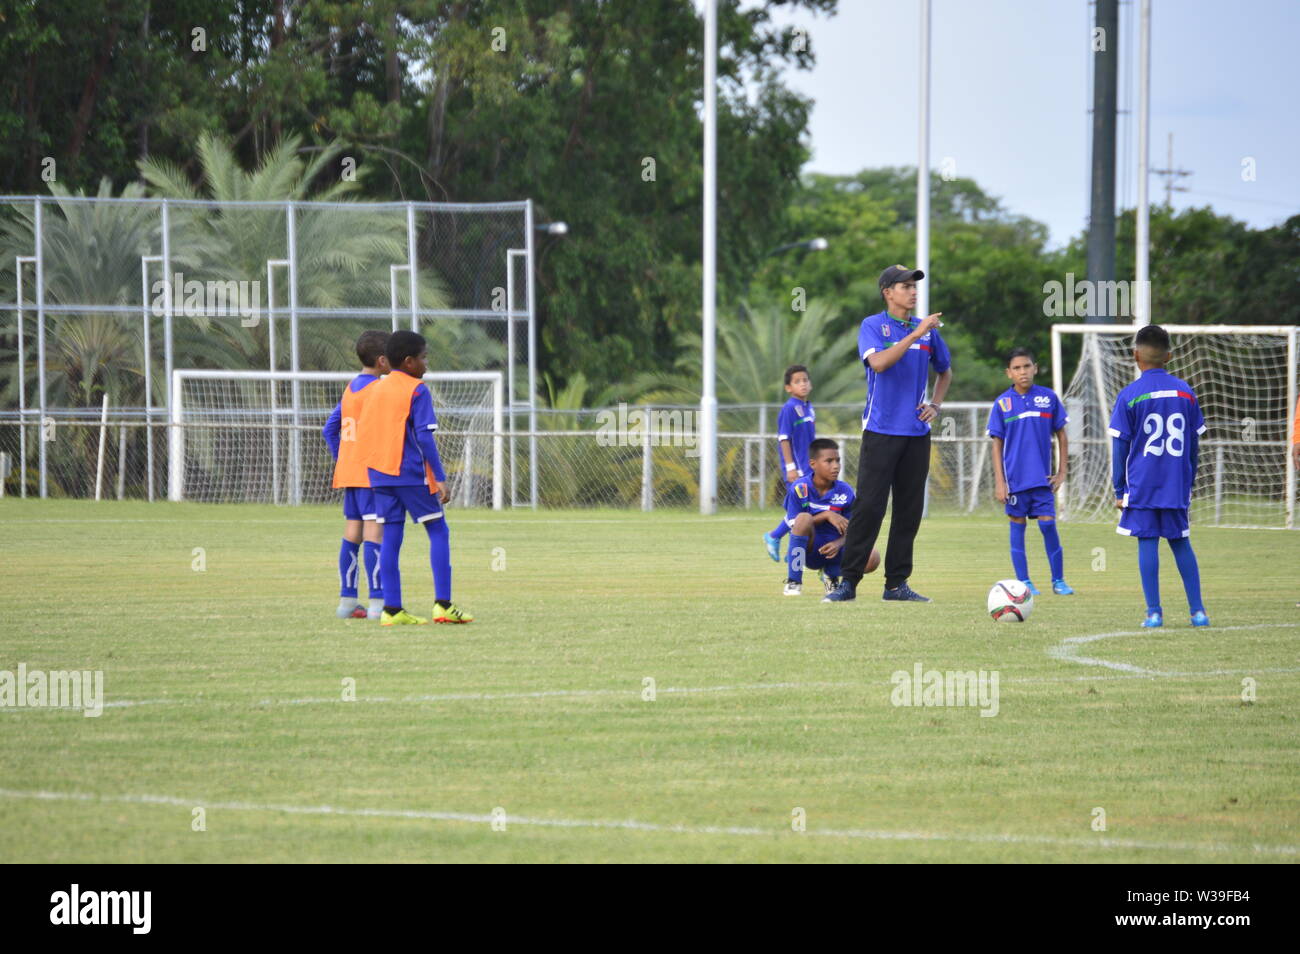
(1030, 586)
(773, 547)
(844, 592)
(1200, 619)
(1061, 588)
(1153, 621)
(904, 593)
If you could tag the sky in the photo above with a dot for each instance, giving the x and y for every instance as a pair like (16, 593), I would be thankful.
(1011, 89)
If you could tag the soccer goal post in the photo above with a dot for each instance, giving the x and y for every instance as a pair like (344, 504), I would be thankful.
(235, 436)
(1245, 378)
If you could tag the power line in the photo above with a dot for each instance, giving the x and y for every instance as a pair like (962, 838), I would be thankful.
(1170, 174)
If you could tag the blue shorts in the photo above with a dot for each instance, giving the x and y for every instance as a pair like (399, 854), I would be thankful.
(1034, 502)
(394, 503)
(358, 503)
(1168, 522)
(814, 559)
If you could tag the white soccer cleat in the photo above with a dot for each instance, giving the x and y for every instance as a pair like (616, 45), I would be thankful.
(792, 588)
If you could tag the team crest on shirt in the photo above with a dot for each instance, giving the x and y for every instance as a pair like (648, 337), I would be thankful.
(1042, 400)
(884, 329)
(1005, 404)
(801, 491)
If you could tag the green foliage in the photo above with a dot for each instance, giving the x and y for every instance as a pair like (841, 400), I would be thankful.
(753, 350)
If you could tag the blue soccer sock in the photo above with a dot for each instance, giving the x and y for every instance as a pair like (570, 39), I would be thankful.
(781, 530)
(373, 582)
(1189, 571)
(797, 558)
(1149, 566)
(348, 569)
(1052, 543)
(390, 552)
(1019, 565)
(440, 558)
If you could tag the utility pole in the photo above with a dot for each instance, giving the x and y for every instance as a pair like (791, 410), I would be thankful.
(1101, 218)
(1169, 174)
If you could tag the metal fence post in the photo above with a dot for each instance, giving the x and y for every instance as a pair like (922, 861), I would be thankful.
(295, 389)
(40, 336)
(147, 347)
(168, 357)
(19, 261)
(532, 354)
(762, 456)
(411, 267)
(647, 469)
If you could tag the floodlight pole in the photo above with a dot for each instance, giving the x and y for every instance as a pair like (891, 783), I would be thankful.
(1141, 296)
(708, 396)
(923, 168)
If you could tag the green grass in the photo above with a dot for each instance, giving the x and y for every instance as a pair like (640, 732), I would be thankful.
(594, 602)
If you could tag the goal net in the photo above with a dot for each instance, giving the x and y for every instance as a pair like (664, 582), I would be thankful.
(1245, 378)
(255, 436)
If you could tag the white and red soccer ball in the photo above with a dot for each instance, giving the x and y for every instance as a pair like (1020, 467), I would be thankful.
(1010, 601)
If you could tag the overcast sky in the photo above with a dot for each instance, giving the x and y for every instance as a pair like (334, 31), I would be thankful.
(1010, 91)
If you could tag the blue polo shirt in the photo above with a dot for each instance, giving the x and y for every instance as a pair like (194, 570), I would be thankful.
(1161, 418)
(893, 395)
(1026, 423)
(797, 424)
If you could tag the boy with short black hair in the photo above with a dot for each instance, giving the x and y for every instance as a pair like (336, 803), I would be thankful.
(1021, 422)
(795, 431)
(818, 506)
(397, 425)
(340, 433)
(1156, 428)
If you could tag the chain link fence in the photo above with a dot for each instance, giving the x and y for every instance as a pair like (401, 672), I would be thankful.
(105, 297)
(630, 457)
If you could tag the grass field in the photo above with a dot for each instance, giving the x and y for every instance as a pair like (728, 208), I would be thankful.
(224, 691)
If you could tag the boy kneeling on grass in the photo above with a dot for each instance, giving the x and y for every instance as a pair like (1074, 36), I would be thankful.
(817, 508)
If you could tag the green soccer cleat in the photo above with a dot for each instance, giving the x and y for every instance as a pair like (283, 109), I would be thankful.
(452, 614)
(401, 618)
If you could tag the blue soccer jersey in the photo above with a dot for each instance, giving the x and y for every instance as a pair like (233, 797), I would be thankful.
(1026, 423)
(804, 497)
(893, 395)
(1159, 416)
(797, 424)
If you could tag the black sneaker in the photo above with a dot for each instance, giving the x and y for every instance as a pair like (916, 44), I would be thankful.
(844, 592)
(904, 593)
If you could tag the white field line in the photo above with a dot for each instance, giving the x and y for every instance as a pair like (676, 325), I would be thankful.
(655, 827)
(1127, 672)
(1067, 650)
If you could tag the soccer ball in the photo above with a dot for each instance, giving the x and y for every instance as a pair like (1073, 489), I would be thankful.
(1010, 601)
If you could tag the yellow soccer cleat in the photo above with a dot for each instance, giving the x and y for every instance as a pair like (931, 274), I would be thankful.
(401, 618)
(452, 614)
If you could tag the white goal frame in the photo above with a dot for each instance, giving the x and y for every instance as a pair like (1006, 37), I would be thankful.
(176, 432)
(1289, 332)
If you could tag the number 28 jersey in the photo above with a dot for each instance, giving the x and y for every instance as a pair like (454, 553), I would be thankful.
(1159, 416)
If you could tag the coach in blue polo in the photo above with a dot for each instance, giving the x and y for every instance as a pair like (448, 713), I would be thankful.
(898, 351)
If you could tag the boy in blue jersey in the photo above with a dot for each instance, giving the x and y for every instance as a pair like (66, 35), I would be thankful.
(795, 432)
(818, 507)
(358, 501)
(1021, 422)
(397, 427)
(1156, 429)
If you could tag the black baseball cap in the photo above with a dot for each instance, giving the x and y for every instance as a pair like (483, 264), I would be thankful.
(899, 273)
